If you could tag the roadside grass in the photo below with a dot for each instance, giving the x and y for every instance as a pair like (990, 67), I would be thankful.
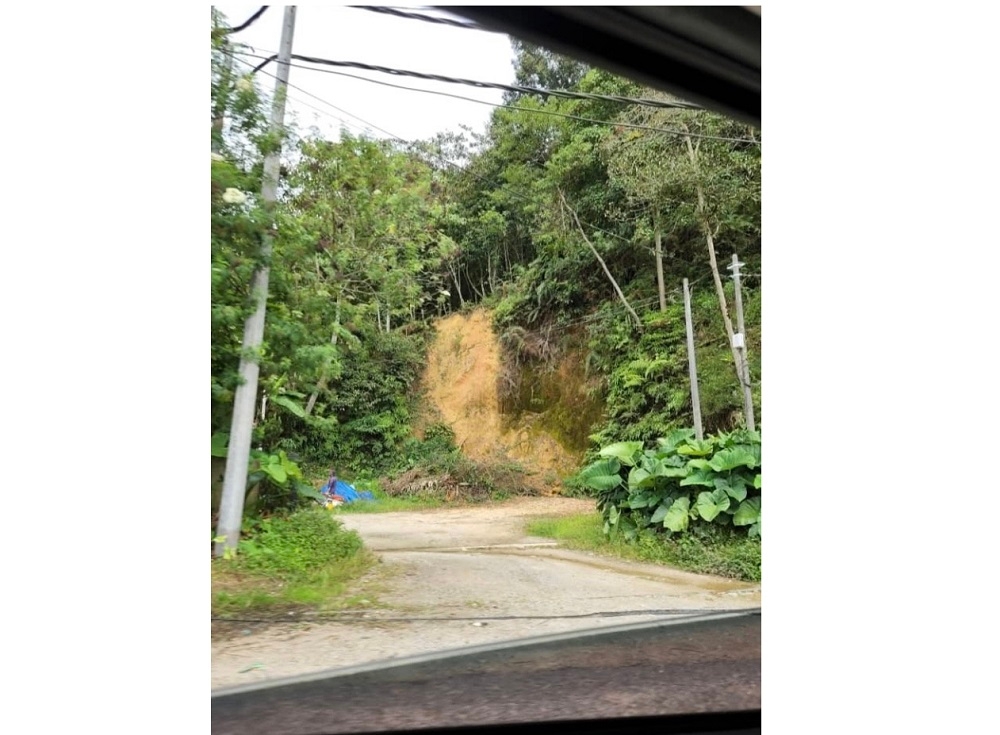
(719, 551)
(305, 560)
(385, 503)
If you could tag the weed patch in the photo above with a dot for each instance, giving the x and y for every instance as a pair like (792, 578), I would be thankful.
(306, 558)
(709, 550)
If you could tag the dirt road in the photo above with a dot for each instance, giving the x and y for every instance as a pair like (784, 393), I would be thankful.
(465, 576)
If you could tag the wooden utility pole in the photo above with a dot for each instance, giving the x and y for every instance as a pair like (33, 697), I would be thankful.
(692, 364)
(740, 343)
(234, 484)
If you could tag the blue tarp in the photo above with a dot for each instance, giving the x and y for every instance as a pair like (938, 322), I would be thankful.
(347, 492)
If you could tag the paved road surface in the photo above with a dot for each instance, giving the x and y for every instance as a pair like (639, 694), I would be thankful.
(452, 578)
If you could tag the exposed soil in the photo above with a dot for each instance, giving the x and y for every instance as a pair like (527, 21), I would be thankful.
(463, 364)
(462, 576)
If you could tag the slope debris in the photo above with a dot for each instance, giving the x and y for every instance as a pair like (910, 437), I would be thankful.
(460, 386)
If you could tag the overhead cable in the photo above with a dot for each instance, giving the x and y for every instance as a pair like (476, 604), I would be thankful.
(517, 88)
(417, 16)
(248, 22)
(552, 113)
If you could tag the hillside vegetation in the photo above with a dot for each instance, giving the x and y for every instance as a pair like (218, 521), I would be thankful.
(552, 225)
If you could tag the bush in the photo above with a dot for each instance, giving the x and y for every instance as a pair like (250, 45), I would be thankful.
(297, 545)
(682, 481)
(713, 549)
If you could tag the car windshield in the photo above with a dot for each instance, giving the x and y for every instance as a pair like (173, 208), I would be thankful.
(486, 362)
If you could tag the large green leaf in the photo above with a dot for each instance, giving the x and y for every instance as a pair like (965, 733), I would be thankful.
(710, 504)
(601, 475)
(637, 476)
(734, 487)
(289, 405)
(305, 490)
(756, 481)
(642, 500)
(624, 452)
(738, 436)
(748, 513)
(290, 467)
(220, 444)
(276, 472)
(730, 459)
(674, 472)
(661, 511)
(700, 477)
(695, 448)
(614, 515)
(627, 527)
(677, 518)
(671, 441)
(674, 460)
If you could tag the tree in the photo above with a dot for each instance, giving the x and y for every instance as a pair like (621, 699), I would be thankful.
(702, 177)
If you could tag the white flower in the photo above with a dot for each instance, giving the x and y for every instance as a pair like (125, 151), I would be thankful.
(217, 157)
(233, 196)
(243, 84)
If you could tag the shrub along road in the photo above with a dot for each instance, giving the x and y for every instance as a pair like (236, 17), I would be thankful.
(454, 577)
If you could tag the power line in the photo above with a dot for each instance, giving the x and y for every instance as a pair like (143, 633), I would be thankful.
(248, 22)
(416, 16)
(520, 89)
(329, 104)
(553, 113)
(439, 157)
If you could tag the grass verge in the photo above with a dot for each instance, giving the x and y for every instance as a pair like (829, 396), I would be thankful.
(303, 560)
(384, 503)
(416, 500)
(716, 551)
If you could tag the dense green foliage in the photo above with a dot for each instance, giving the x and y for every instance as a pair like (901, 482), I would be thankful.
(296, 545)
(292, 559)
(549, 185)
(434, 469)
(706, 549)
(681, 482)
(645, 375)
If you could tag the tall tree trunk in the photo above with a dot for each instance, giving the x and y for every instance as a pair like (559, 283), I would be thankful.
(458, 285)
(614, 283)
(710, 239)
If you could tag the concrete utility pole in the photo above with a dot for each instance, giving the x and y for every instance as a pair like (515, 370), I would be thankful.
(234, 484)
(222, 97)
(740, 343)
(692, 366)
